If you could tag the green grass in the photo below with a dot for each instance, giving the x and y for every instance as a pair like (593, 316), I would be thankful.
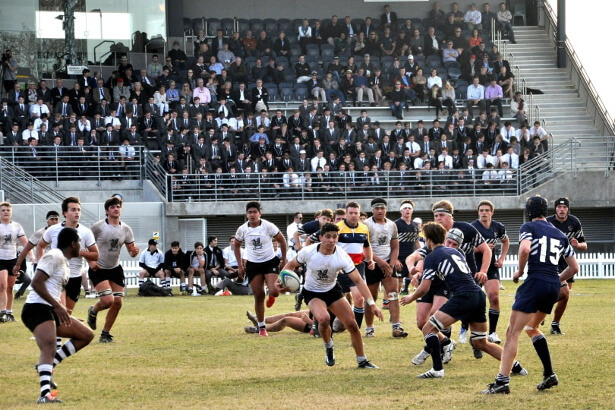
(193, 352)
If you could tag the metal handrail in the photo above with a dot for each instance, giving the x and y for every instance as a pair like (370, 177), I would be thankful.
(583, 76)
(100, 44)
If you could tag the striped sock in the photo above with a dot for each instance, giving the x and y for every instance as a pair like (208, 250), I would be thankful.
(44, 376)
(68, 349)
(141, 282)
(501, 379)
(58, 342)
(358, 315)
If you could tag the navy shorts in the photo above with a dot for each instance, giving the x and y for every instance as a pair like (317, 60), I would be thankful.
(437, 288)
(329, 297)
(115, 275)
(467, 307)
(536, 295)
(493, 273)
(345, 281)
(33, 314)
(254, 269)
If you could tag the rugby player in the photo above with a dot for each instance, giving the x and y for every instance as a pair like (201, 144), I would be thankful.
(261, 264)
(321, 291)
(541, 245)
(107, 274)
(492, 231)
(408, 232)
(299, 321)
(571, 227)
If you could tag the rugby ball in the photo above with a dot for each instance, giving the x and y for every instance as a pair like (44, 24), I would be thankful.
(290, 280)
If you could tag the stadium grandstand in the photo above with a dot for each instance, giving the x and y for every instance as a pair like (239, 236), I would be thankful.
(190, 109)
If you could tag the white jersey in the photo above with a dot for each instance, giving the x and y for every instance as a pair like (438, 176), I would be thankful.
(9, 234)
(55, 265)
(381, 236)
(290, 233)
(259, 247)
(110, 239)
(87, 239)
(321, 270)
(229, 256)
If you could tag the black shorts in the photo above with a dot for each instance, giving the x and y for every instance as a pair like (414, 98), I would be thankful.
(8, 265)
(493, 273)
(405, 272)
(437, 288)
(345, 281)
(536, 295)
(467, 307)
(115, 275)
(254, 269)
(73, 288)
(33, 314)
(376, 275)
(172, 274)
(570, 280)
(151, 271)
(329, 297)
(307, 328)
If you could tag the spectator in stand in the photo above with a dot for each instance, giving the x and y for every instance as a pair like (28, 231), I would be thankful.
(362, 87)
(449, 54)
(420, 85)
(249, 44)
(475, 40)
(517, 107)
(281, 46)
(434, 79)
(175, 265)
(333, 30)
(151, 262)
(448, 97)
(225, 56)
(416, 42)
(264, 45)
(235, 44)
(473, 18)
(437, 16)
(476, 96)
(538, 131)
(316, 88)
(494, 95)
(178, 57)
(504, 17)
(487, 17)
(432, 43)
(398, 101)
(302, 70)
(506, 80)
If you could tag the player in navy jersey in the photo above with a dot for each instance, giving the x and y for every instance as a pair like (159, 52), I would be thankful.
(472, 242)
(466, 303)
(541, 246)
(492, 231)
(571, 227)
(408, 232)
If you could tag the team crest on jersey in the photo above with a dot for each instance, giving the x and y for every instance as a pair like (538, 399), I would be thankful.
(7, 238)
(382, 240)
(322, 274)
(114, 245)
(256, 244)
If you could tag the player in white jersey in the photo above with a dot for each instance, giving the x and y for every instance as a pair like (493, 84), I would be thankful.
(385, 246)
(45, 316)
(52, 218)
(10, 233)
(262, 266)
(71, 210)
(107, 274)
(322, 292)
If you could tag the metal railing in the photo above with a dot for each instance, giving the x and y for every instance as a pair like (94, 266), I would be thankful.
(94, 163)
(582, 76)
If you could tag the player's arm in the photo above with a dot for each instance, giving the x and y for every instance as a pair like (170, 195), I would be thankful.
(486, 251)
(394, 252)
(571, 269)
(505, 247)
(22, 257)
(133, 250)
(38, 284)
(40, 249)
(240, 262)
(292, 265)
(297, 239)
(283, 247)
(368, 254)
(362, 286)
(524, 254)
(419, 292)
(91, 253)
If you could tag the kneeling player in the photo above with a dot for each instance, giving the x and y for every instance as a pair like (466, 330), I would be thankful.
(540, 247)
(45, 316)
(321, 291)
(467, 302)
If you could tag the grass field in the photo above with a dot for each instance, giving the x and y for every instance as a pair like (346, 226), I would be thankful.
(193, 352)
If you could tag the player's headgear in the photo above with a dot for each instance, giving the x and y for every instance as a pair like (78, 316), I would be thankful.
(536, 207)
(562, 201)
(378, 202)
(52, 214)
(456, 235)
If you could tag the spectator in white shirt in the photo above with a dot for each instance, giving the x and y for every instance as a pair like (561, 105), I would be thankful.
(318, 161)
(511, 158)
(446, 159)
(484, 159)
(38, 109)
(507, 131)
(473, 18)
(28, 133)
(476, 96)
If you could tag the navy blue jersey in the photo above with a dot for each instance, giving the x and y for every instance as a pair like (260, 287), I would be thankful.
(471, 239)
(309, 228)
(408, 234)
(496, 232)
(572, 228)
(548, 245)
(450, 265)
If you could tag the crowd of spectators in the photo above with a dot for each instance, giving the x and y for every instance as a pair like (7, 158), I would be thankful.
(210, 114)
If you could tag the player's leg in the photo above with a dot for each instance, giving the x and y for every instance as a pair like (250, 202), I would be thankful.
(437, 322)
(294, 323)
(390, 285)
(518, 321)
(560, 308)
(369, 316)
(3, 286)
(271, 278)
(10, 283)
(190, 280)
(73, 289)
(478, 338)
(321, 315)
(84, 282)
(114, 310)
(202, 276)
(45, 335)
(542, 350)
(105, 299)
(493, 294)
(424, 308)
(79, 337)
(257, 283)
(142, 274)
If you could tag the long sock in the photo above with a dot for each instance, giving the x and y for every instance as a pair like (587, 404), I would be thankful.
(434, 344)
(329, 344)
(447, 332)
(68, 349)
(58, 342)
(406, 284)
(494, 316)
(261, 324)
(516, 367)
(361, 359)
(542, 348)
(141, 281)
(554, 323)
(358, 315)
(427, 349)
(44, 376)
